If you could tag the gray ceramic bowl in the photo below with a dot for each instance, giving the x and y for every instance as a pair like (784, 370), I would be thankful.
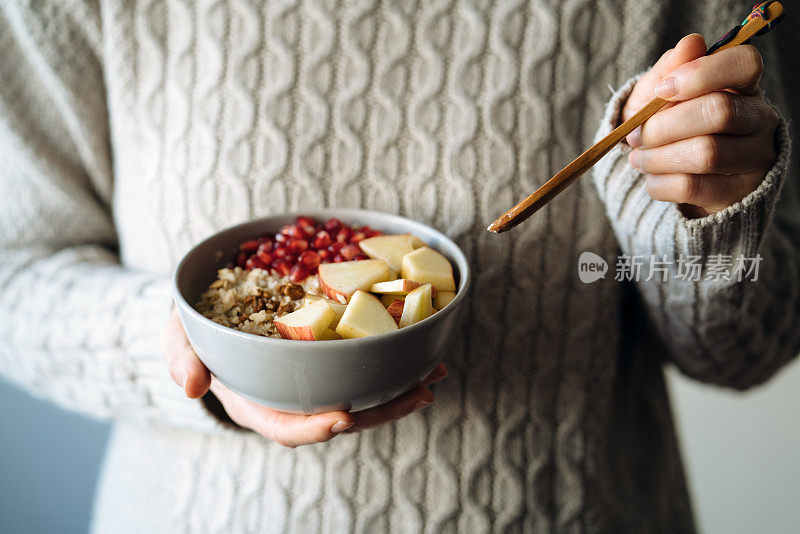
(316, 376)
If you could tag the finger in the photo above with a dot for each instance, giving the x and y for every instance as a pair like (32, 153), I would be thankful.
(289, 430)
(689, 48)
(185, 367)
(737, 68)
(713, 192)
(436, 375)
(416, 399)
(707, 154)
(718, 112)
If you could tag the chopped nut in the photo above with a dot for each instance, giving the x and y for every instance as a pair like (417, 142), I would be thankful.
(295, 291)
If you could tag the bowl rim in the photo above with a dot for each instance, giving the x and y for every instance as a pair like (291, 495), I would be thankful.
(464, 282)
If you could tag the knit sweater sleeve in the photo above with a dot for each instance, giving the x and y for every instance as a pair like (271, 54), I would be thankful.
(731, 330)
(76, 327)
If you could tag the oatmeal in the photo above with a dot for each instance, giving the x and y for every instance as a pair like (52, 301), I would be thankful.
(250, 300)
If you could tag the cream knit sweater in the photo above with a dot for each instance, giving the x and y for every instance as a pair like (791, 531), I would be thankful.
(129, 130)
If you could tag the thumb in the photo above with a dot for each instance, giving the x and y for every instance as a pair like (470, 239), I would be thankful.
(688, 49)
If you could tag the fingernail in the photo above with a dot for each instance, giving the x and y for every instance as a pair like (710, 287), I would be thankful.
(667, 88)
(635, 159)
(635, 137)
(420, 405)
(341, 426)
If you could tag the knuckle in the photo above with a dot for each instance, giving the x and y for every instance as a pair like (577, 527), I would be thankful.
(720, 111)
(772, 118)
(286, 443)
(688, 188)
(769, 155)
(705, 154)
(751, 64)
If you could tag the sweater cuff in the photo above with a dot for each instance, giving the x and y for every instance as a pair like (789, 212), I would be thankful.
(741, 227)
(640, 222)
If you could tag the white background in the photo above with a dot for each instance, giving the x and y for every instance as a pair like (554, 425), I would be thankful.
(742, 453)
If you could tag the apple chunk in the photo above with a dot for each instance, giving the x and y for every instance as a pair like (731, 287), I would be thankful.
(395, 309)
(340, 280)
(338, 307)
(388, 300)
(395, 287)
(365, 316)
(443, 298)
(389, 248)
(307, 323)
(329, 334)
(416, 242)
(417, 306)
(427, 266)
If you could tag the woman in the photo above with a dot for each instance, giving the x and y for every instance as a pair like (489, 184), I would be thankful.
(131, 130)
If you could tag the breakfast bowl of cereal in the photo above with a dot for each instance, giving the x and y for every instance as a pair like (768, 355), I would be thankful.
(332, 309)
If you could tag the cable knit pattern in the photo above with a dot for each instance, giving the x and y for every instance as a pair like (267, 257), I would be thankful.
(129, 130)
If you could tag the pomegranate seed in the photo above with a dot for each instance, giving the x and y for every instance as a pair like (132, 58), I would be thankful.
(296, 233)
(306, 225)
(324, 254)
(280, 238)
(298, 245)
(338, 259)
(349, 252)
(372, 233)
(361, 256)
(264, 256)
(265, 246)
(249, 246)
(282, 267)
(281, 252)
(299, 272)
(241, 259)
(357, 236)
(323, 239)
(333, 225)
(343, 235)
(309, 258)
(286, 229)
(304, 220)
(254, 263)
(336, 247)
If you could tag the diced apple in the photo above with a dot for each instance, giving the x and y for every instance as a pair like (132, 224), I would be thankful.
(395, 287)
(416, 242)
(307, 323)
(365, 316)
(340, 280)
(429, 267)
(329, 334)
(389, 248)
(395, 309)
(443, 298)
(417, 306)
(338, 307)
(387, 300)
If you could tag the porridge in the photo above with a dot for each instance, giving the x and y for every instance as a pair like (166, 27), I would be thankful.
(317, 281)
